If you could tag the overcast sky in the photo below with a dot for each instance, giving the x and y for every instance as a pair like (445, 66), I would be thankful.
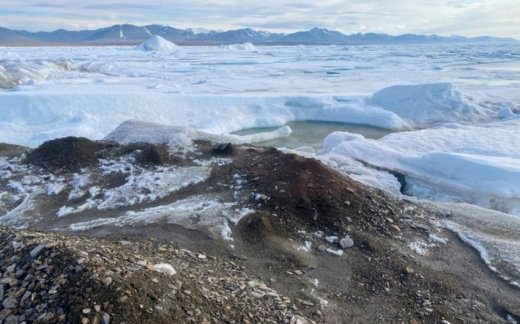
(445, 17)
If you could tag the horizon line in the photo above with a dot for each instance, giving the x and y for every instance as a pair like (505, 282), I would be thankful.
(259, 30)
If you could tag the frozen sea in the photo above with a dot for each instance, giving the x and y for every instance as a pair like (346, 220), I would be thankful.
(445, 117)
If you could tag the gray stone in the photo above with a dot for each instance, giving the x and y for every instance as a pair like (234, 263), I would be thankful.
(346, 242)
(4, 313)
(29, 312)
(19, 274)
(12, 319)
(37, 250)
(10, 302)
(26, 295)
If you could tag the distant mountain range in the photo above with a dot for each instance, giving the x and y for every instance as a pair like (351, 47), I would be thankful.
(131, 35)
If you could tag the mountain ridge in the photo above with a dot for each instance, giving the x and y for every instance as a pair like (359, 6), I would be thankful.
(127, 34)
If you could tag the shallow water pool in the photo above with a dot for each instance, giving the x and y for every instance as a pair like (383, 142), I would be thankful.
(312, 133)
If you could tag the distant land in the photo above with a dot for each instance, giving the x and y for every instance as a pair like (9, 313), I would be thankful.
(131, 35)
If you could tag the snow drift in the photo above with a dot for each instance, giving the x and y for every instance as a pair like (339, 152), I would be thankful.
(455, 163)
(429, 104)
(157, 44)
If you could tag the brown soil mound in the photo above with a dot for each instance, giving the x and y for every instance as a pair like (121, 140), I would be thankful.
(66, 154)
(303, 193)
(9, 150)
(70, 154)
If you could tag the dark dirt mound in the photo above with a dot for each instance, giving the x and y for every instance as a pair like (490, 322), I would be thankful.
(67, 154)
(70, 154)
(303, 193)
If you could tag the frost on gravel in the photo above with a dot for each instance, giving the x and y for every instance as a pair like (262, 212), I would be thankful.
(141, 185)
(494, 235)
(19, 191)
(202, 211)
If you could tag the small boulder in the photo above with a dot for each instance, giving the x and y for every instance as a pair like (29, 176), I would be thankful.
(346, 242)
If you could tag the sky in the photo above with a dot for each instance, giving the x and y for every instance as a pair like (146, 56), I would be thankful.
(443, 17)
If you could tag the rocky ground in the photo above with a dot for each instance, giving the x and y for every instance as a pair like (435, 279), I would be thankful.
(316, 246)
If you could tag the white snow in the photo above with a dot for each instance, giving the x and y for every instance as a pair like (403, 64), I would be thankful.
(429, 104)
(331, 239)
(420, 247)
(305, 247)
(181, 138)
(479, 164)
(334, 251)
(210, 88)
(157, 44)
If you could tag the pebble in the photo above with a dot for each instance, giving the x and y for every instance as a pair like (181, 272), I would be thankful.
(257, 294)
(165, 268)
(346, 242)
(395, 227)
(107, 281)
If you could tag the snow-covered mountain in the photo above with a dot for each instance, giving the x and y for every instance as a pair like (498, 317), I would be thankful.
(242, 36)
(316, 36)
(133, 35)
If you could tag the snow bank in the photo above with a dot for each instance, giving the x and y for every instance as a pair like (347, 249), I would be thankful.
(241, 47)
(32, 118)
(134, 131)
(429, 104)
(157, 44)
(457, 163)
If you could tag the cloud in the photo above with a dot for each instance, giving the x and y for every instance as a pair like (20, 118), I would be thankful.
(445, 17)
